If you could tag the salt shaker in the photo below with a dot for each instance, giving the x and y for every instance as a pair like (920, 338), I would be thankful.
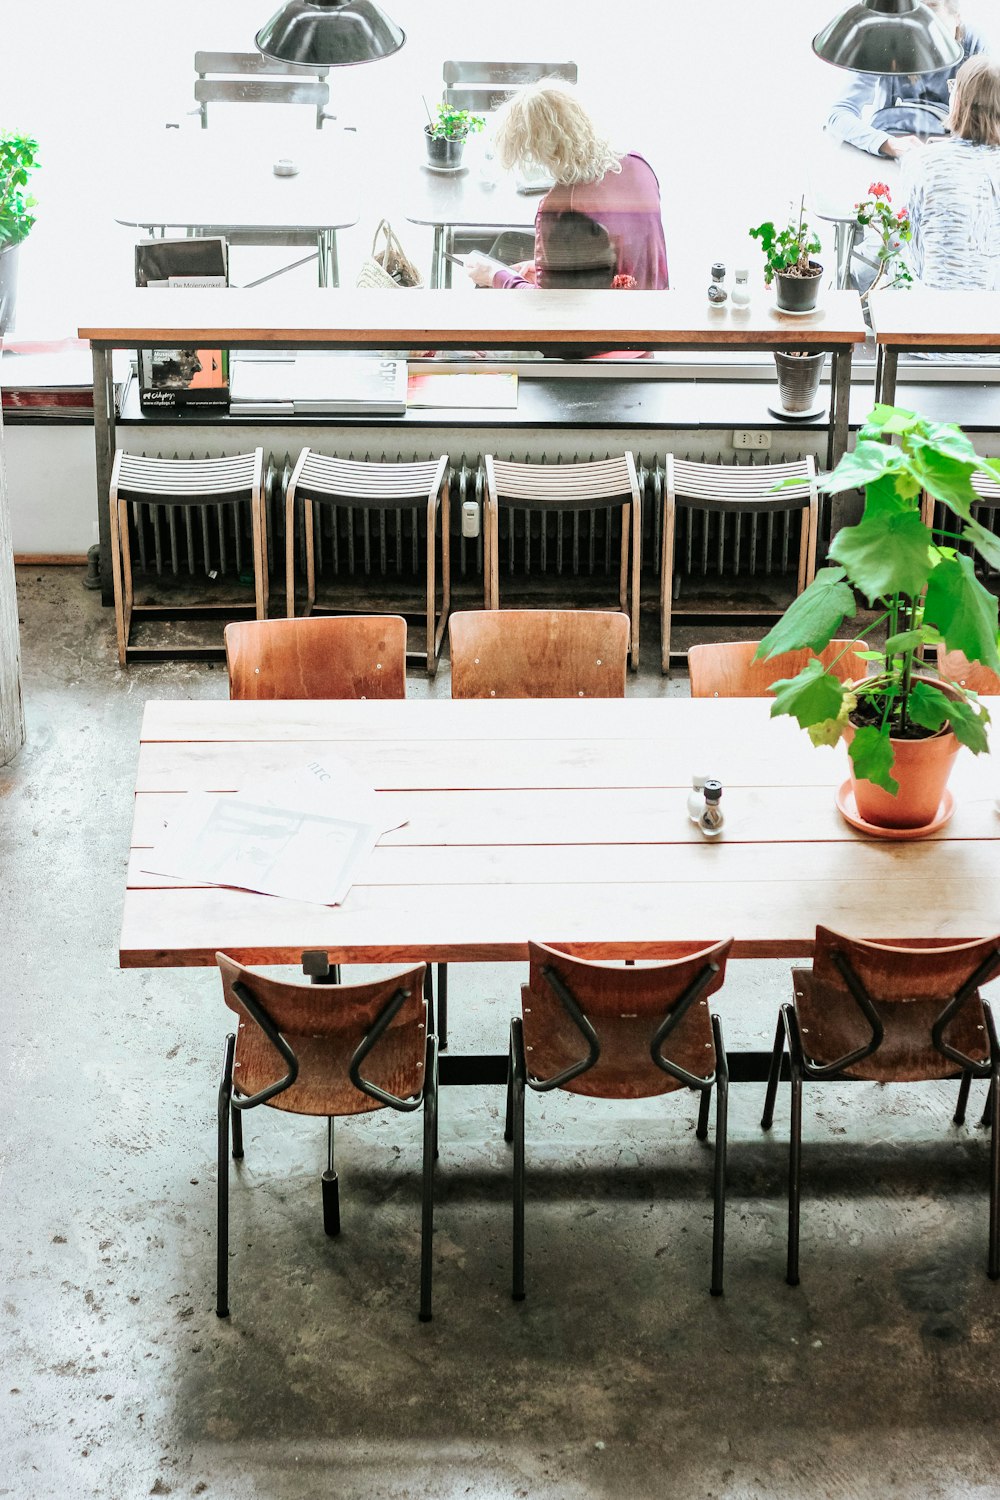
(717, 293)
(741, 289)
(696, 798)
(711, 819)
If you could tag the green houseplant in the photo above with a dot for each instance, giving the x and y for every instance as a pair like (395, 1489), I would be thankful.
(17, 161)
(925, 593)
(788, 261)
(446, 132)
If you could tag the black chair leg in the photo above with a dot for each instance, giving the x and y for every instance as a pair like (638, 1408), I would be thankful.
(794, 1179)
(222, 1181)
(701, 1129)
(429, 997)
(427, 1202)
(963, 1098)
(236, 1119)
(331, 1187)
(987, 1107)
(721, 1136)
(442, 1008)
(517, 1089)
(774, 1074)
(508, 1129)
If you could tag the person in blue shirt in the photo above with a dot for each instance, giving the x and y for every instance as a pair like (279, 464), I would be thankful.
(855, 116)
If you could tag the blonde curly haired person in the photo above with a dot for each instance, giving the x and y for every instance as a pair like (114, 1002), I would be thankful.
(544, 128)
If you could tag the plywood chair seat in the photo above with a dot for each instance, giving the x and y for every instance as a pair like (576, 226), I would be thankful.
(610, 482)
(325, 656)
(956, 667)
(538, 653)
(182, 485)
(739, 488)
(322, 479)
(726, 669)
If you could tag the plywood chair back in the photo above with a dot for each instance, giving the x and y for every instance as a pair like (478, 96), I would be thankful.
(252, 78)
(891, 998)
(324, 1024)
(625, 1007)
(538, 653)
(736, 488)
(568, 487)
(331, 656)
(956, 667)
(483, 86)
(727, 669)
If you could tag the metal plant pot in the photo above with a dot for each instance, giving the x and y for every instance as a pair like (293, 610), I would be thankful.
(444, 150)
(8, 286)
(798, 293)
(798, 379)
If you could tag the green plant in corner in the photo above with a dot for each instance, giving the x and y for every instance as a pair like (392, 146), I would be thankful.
(454, 124)
(787, 251)
(17, 161)
(923, 587)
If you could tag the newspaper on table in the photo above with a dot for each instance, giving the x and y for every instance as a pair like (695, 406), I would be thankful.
(304, 834)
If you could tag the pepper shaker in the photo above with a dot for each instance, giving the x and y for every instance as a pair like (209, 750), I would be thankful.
(711, 819)
(717, 293)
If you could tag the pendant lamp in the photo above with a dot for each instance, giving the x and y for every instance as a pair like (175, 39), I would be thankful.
(888, 36)
(329, 34)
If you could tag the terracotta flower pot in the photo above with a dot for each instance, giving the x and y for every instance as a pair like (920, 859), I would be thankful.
(922, 768)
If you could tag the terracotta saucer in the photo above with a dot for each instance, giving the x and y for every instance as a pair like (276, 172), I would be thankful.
(848, 809)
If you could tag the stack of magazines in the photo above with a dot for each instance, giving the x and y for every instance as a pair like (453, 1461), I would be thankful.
(269, 385)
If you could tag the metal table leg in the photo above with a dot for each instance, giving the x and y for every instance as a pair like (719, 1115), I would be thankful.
(885, 389)
(840, 405)
(104, 444)
(326, 258)
(438, 262)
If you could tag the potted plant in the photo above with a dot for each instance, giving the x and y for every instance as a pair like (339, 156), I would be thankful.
(788, 261)
(891, 230)
(925, 593)
(17, 161)
(446, 133)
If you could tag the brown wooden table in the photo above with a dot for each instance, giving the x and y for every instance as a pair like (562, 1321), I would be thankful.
(350, 319)
(562, 820)
(930, 322)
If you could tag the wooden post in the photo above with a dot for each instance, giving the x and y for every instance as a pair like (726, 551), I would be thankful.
(11, 704)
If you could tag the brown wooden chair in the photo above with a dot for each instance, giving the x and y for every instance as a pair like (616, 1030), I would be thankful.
(726, 669)
(890, 1014)
(318, 479)
(739, 488)
(329, 656)
(332, 1050)
(182, 487)
(968, 674)
(610, 1032)
(606, 483)
(538, 653)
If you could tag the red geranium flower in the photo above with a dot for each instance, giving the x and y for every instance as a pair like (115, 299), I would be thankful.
(904, 213)
(879, 190)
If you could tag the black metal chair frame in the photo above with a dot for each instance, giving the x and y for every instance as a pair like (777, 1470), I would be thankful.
(518, 1079)
(232, 1105)
(801, 1068)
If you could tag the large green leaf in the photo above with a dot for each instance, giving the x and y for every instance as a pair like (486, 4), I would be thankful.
(867, 461)
(812, 619)
(969, 725)
(886, 553)
(872, 758)
(944, 477)
(811, 697)
(907, 640)
(927, 706)
(963, 610)
(893, 419)
(948, 439)
(985, 543)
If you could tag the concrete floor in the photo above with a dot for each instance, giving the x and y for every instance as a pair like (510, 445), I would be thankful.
(619, 1376)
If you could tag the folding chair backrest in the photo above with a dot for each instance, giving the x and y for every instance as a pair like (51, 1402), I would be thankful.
(335, 656)
(538, 653)
(909, 985)
(483, 86)
(625, 1006)
(563, 486)
(726, 669)
(251, 78)
(324, 1024)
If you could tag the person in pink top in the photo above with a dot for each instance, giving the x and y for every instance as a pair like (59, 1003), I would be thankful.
(544, 128)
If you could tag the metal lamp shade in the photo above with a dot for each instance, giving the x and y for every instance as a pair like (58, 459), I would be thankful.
(329, 33)
(887, 36)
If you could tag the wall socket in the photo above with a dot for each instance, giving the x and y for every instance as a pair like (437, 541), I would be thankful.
(744, 439)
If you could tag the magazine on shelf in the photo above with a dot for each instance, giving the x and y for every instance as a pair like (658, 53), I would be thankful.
(170, 378)
(57, 383)
(318, 385)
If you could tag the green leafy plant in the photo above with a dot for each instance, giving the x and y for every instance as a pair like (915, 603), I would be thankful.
(923, 587)
(17, 162)
(787, 251)
(454, 124)
(892, 229)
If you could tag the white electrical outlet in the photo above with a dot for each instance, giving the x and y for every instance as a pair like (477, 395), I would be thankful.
(744, 439)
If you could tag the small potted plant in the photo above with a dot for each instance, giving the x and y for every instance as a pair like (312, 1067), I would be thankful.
(788, 261)
(446, 133)
(17, 162)
(904, 722)
(891, 229)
